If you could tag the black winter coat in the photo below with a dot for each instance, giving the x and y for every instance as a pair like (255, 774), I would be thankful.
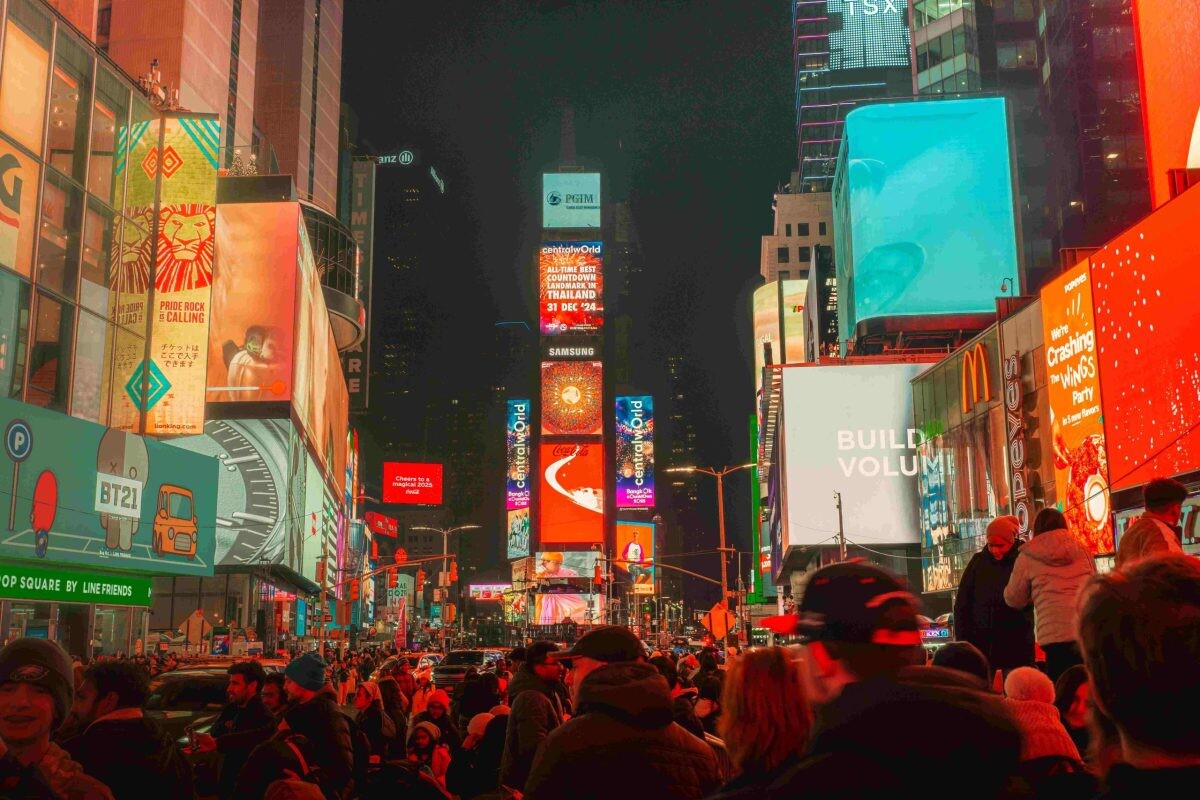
(134, 757)
(536, 711)
(328, 733)
(981, 617)
(380, 730)
(238, 730)
(878, 738)
(622, 743)
(477, 771)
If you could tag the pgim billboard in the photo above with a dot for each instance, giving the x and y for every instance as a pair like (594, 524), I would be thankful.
(570, 287)
(570, 200)
(849, 430)
(635, 451)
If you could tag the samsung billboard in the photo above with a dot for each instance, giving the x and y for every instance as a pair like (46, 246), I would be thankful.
(570, 200)
(849, 430)
(924, 216)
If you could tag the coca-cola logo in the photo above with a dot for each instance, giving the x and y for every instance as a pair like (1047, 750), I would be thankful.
(564, 450)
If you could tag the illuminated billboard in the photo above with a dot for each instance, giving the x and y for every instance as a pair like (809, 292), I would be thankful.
(489, 591)
(1144, 289)
(572, 397)
(634, 560)
(1076, 413)
(517, 454)
(406, 483)
(570, 200)
(1170, 88)
(635, 452)
(254, 303)
(571, 508)
(923, 210)
(848, 429)
(356, 361)
(552, 564)
(570, 287)
(779, 320)
(18, 208)
(555, 608)
(869, 33)
(517, 538)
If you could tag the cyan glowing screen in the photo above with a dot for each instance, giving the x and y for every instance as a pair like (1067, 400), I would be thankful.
(924, 210)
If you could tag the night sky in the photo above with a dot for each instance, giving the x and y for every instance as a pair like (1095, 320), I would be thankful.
(688, 106)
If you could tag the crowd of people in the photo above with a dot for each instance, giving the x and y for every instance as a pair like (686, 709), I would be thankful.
(854, 711)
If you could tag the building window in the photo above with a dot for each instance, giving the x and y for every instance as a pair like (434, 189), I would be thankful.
(26, 68)
(805, 255)
(62, 226)
(802, 229)
(787, 229)
(783, 276)
(821, 229)
(1017, 55)
(50, 360)
(781, 255)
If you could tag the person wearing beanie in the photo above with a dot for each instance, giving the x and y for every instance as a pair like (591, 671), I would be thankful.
(1051, 765)
(427, 751)
(881, 716)
(437, 712)
(316, 715)
(1004, 635)
(476, 769)
(36, 693)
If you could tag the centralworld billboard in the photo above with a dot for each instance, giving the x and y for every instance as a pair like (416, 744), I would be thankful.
(635, 452)
(570, 287)
(517, 454)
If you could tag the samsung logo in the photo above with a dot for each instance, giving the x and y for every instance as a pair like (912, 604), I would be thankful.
(562, 352)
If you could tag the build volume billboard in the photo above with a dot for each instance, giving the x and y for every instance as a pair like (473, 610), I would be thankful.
(1170, 88)
(849, 429)
(635, 452)
(79, 493)
(570, 200)
(923, 210)
(572, 398)
(634, 560)
(571, 495)
(1144, 289)
(1076, 413)
(251, 340)
(570, 287)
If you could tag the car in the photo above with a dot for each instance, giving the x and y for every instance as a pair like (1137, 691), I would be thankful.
(452, 671)
(193, 695)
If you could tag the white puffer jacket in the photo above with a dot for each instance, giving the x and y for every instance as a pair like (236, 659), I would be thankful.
(1050, 570)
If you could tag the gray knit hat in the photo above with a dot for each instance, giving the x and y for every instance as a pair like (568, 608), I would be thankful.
(43, 663)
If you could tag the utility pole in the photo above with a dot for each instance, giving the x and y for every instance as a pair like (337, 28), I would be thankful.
(721, 528)
(837, 496)
(324, 593)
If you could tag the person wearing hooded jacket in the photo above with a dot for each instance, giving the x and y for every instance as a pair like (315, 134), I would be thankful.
(1049, 572)
(536, 711)
(622, 741)
(1004, 635)
(373, 720)
(316, 715)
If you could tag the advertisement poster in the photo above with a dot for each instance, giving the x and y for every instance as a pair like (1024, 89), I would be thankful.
(23, 95)
(407, 483)
(571, 510)
(517, 539)
(572, 398)
(552, 564)
(174, 376)
(570, 200)
(570, 287)
(635, 555)
(18, 208)
(517, 449)
(1144, 286)
(848, 429)
(784, 333)
(356, 362)
(635, 452)
(489, 591)
(79, 493)
(554, 608)
(254, 303)
(1076, 414)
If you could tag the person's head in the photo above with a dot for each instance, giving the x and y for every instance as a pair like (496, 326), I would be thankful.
(245, 680)
(765, 717)
(438, 705)
(667, 669)
(1027, 683)
(36, 688)
(1164, 499)
(552, 563)
(708, 662)
(1071, 693)
(424, 736)
(1001, 533)
(1139, 631)
(304, 677)
(273, 695)
(858, 621)
(516, 658)
(964, 657)
(537, 657)
(599, 647)
(490, 683)
(1049, 519)
(476, 728)
(106, 687)
(366, 695)
(390, 693)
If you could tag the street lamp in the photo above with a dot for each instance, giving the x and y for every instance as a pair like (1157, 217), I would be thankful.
(719, 474)
(445, 532)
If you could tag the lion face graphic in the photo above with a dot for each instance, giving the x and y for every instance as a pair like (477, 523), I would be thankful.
(185, 247)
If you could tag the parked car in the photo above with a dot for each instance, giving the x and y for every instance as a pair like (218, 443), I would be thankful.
(193, 696)
(452, 671)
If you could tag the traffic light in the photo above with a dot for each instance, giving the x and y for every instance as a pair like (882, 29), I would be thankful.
(453, 571)
(401, 555)
(393, 578)
(451, 612)
(420, 579)
(355, 589)
(321, 571)
(598, 576)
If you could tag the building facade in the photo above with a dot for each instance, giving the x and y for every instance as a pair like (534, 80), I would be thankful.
(803, 221)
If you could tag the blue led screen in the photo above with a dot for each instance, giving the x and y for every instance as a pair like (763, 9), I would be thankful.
(868, 33)
(923, 210)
